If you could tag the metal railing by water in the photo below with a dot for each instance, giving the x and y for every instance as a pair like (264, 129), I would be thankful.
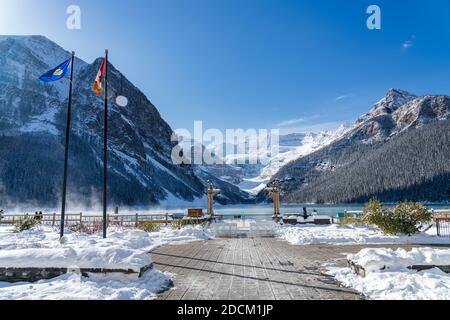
(443, 227)
(90, 220)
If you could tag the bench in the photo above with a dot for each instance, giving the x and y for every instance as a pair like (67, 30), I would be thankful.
(290, 219)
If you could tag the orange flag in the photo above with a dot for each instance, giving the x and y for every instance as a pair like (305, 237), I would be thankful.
(97, 87)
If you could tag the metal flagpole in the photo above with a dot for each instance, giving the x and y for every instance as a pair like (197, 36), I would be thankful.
(105, 149)
(66, 148)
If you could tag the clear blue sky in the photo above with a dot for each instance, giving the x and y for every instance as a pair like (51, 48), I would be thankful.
(297, 65)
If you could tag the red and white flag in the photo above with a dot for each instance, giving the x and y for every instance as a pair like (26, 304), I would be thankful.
(97, 87)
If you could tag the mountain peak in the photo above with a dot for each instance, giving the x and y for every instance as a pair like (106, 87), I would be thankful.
(396, 91)
(394, 99)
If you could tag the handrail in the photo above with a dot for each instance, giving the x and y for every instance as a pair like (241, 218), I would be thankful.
(71, 218)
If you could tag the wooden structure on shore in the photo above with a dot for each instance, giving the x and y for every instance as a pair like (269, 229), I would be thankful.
(274, 190)
(211, 193)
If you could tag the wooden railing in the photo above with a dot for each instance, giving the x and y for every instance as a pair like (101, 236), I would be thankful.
(90, 220)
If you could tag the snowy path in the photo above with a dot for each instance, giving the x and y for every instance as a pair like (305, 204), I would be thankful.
(260, 268)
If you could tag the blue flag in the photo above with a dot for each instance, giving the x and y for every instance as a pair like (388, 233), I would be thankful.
(57, 73)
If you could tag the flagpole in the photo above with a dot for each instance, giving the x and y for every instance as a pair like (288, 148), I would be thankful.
(66, 148)
(105, 149)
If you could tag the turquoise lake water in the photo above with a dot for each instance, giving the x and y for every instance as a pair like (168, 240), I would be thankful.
(267, 210)
(251, 211)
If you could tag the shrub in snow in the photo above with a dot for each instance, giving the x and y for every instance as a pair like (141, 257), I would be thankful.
(149, 226)
(353, 222)
(405, 218)
(83, 228)
(26, 223)
(178, 224)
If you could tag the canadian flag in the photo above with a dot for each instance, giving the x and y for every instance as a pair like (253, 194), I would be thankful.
(97, 87)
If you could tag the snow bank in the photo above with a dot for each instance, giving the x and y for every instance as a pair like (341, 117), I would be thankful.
(114, 257)
(387, 276)
(41, 248)
(186, 234)
(375, 259)
(347, 235)
(407, 285)
(123, 249)
(73, 286)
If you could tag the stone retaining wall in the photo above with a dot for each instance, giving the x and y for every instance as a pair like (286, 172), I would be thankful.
(35, 274)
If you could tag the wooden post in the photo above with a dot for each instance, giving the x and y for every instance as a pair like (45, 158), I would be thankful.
(137, 220)
(211, 193)
(116, 213)
(81, 217)
(54, 219)
(275, 191)
(167, 218)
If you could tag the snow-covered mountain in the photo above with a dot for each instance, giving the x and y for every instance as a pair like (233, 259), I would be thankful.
(290, 151)
(398, 150)
(32, 127)
(396, 112)
(253, 178)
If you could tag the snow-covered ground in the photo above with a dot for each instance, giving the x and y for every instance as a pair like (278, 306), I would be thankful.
(388, 277)
(72, 286)
(123, 249)
(347, 235)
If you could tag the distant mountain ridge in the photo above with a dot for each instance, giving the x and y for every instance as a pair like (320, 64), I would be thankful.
(254, 177)
(399, 150)
(32, 127)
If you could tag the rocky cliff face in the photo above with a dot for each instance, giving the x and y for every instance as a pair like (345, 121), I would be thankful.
(399, 150)
(32, 128)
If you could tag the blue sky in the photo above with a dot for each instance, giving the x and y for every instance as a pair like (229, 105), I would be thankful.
(294, 65)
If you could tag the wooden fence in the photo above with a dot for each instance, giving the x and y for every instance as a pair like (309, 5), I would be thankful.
(91, 220)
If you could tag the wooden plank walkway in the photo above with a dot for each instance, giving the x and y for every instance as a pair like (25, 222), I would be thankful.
(254, 269)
